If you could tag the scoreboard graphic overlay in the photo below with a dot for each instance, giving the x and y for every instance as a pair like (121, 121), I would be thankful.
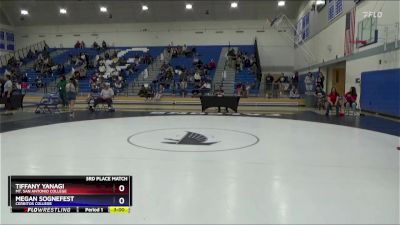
(70, 194)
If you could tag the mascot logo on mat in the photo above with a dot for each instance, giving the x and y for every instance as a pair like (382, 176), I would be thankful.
(192, 139)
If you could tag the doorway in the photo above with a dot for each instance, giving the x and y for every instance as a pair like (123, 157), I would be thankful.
(338, 79)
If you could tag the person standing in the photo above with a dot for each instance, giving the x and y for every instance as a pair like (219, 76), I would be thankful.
(295, 80)
(308, 81)
(71, 91)
(320, 80)
(61, 86)
(7, 89)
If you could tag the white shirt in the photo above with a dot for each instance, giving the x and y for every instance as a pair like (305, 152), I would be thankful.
(8, 86)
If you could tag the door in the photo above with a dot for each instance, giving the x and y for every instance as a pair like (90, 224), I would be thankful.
(338, 80)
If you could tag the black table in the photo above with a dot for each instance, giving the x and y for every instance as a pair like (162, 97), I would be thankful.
(231, 102)
(16, 100)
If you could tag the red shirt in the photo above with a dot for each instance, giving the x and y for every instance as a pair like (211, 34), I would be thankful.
(333, 97)
(350, 98)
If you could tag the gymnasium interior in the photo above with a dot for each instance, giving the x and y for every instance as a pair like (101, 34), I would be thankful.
(218, 112)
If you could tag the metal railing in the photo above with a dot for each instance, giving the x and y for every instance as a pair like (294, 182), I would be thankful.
(21, 53)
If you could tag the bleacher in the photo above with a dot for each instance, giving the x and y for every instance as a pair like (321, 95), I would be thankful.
(246, 76)
(84, 85)
(204, 53)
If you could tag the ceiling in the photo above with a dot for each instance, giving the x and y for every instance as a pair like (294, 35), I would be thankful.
(46, 12)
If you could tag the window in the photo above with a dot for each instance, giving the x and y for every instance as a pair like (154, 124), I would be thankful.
(2, 40)
(299, 29)
(10, 41)
(303, 28)
(306, 26)
(335, 8)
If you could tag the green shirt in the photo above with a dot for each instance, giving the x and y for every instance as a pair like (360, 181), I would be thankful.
(61, 85)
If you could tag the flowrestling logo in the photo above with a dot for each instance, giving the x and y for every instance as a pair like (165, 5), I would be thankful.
(193, 140)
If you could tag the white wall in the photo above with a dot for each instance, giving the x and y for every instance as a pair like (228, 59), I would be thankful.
(332, 36)
(273, 49)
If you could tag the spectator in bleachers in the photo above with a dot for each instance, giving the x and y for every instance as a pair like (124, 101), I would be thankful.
(61, 86)
(96, 46)
(118, 86)
(39, 81)
(294, 93)
(238, 88)
(145, 91)
(83, 44)
(77, 44)
(283, 84)
(212, 65)
(196, 89)
(95, 82)
(71, 91)
(106, 96)
(30, 54)
(350, 99)
(104, 45)
(197, 77)
(332, 101)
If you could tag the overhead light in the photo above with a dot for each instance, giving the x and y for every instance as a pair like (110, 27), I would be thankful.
(234, 4)
(281, 3)
(103, 9)
(63, 11)
(145, 8)
(320, 2)
(24, 12)
(189, 6)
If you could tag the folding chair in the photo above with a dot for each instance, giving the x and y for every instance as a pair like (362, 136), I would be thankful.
(48, 104)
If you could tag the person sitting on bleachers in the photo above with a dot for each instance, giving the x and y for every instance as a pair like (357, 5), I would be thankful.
(39, 81)
(30, 54)
(94, 85)
(294, 93)
(104, 45)
(106, 96)
(205, 87)
(82, 44)
(212, 65)
(77, 44)
(118, 84)
(197, 77)
(96, 46)
(196, 89)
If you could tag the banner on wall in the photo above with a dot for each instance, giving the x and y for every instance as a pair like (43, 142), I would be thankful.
(350, 32)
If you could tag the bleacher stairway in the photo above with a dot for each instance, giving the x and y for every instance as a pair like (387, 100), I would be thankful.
(153, 71)
(229, 82)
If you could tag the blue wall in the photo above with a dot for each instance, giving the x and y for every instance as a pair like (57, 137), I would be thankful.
(380, 91)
